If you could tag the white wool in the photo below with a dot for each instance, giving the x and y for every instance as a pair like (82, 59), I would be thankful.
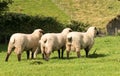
(80, 40)
(53, 41)
(21, 41)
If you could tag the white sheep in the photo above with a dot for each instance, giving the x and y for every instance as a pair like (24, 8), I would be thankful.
(20, 42)
(77, 40)
(53, 41)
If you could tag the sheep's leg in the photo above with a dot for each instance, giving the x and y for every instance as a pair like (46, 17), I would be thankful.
(43, 55)
(10, 48)
(32, 55)
(28, 54)
(62, 53)
(18, 52)
(19, 57)
(87, 51)
(7, 56)
(68, 54)
(36, 52)
(68, 49)
(78, 52)
(43, 52)
(59, 53)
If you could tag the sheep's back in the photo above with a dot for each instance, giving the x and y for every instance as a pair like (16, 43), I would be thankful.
(18, 39)
(52, 40)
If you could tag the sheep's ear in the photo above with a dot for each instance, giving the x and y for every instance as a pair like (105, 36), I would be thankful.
(97, 32)
(41, 31)
(70, 30)
(95, 28)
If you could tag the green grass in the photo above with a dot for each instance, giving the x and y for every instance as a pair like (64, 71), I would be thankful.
(39, 7)
(95, 12)
(105, 61)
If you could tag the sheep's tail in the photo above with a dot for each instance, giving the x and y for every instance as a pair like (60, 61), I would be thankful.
(12, 40)
(43, 41)
(69, 39)
(10, 47)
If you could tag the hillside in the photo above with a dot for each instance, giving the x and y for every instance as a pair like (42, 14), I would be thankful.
(39, 7)
(95, 12)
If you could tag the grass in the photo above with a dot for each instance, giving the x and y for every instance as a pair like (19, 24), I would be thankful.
(95, 12)
(105, 61)
(39, 7)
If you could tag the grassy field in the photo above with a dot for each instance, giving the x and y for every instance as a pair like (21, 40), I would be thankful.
(105, 61)
(95, 12)
(39, 7)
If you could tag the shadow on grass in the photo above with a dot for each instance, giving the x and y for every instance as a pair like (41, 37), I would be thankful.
(36, 62)
(64, 58)
(97, 55)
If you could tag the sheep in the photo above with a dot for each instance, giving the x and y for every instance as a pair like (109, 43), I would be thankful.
(53, 41)
(20, 42)
(77, 40)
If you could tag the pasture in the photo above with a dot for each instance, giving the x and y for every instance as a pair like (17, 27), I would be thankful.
(103, 60)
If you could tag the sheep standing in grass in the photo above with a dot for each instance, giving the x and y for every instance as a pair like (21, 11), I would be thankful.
(78, 40)
(53, 41)
(20, 42)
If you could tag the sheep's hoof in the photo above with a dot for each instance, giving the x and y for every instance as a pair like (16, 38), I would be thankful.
(87, 56)
(6, 60)
(47, 59)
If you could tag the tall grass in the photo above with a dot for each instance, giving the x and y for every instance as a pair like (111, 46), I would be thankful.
(105, 61)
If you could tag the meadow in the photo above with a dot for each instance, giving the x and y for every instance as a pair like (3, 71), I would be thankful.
(39, 7)
(94, 12)
(103, 60)
(104, 57)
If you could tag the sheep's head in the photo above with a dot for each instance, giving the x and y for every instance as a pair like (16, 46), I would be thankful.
(92, 31)
(66, 31)
(38, 32)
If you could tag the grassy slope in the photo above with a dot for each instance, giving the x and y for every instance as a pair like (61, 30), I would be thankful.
(96, 12)
(39, 7)
(105, 62)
